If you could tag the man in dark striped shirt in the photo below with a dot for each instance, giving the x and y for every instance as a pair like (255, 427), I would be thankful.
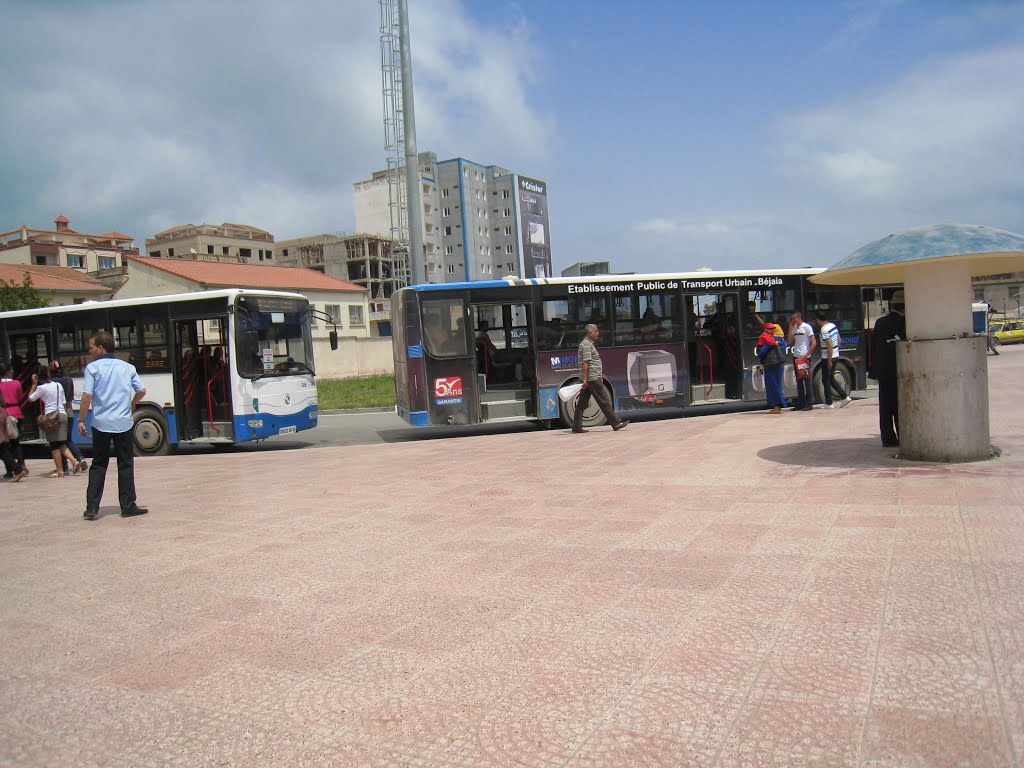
(593, 383)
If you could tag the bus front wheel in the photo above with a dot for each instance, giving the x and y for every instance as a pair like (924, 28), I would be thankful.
(592, 416)
(151, 438)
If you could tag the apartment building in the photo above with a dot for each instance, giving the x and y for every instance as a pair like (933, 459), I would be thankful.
(480, 222)
(63, 246)
(232, 243)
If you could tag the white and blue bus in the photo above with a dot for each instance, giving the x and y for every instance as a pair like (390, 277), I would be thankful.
(472, 353)
(219, 367)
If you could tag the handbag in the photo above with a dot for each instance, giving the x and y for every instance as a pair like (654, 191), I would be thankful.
(48, 422)
(11, 427)
(772, 357)
(803, 368)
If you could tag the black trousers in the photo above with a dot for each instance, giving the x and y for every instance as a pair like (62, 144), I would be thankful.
(600, 394)
(888, 412)
(123, 444)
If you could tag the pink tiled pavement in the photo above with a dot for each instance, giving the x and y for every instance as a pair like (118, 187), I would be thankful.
(730, 590)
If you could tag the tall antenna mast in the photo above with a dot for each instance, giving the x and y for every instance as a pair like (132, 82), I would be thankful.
(404, 199)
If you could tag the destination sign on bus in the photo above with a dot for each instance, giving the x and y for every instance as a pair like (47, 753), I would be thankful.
(273, 304)
(672, 285)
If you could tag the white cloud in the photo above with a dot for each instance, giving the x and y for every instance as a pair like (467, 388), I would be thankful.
(949, 130)
(258, 111)
(473, 86)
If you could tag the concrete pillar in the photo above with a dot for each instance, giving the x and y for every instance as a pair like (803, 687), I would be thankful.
(943, 396)
(938, 297)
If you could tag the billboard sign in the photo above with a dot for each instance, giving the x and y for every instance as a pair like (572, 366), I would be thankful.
(534, 227)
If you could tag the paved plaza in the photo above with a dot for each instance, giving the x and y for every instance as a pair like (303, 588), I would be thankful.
(728, 590)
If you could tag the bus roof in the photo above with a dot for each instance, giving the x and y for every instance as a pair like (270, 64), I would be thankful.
(701, 275)
(228, 294)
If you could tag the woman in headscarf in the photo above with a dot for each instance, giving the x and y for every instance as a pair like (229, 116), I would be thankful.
(771, 351)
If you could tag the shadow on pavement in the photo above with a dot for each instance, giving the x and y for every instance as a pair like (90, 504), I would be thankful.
(854, 452)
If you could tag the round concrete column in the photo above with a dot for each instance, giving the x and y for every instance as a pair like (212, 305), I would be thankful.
(938, 296)
(943, 396)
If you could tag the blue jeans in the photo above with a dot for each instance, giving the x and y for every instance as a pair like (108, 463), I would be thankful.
(804, 393)
(828, 382)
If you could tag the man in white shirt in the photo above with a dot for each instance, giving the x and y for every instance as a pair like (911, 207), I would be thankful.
(829, 360)
(802, 342)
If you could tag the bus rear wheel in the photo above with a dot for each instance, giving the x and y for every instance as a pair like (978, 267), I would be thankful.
(592, 416)
(150, 432)
(843, 378)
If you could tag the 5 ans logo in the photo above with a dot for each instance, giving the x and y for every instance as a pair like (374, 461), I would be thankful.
(450, 386)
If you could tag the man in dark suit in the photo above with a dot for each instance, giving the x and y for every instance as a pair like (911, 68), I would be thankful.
(888, 329)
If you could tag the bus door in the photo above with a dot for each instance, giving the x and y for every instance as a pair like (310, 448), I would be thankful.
(505, 360)
(29, 349)
(449, 370)
(713, 347)
(202, 386)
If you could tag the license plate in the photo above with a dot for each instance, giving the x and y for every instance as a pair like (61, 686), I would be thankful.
(286, 430)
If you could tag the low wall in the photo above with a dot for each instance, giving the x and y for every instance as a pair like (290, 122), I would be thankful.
(353, 357)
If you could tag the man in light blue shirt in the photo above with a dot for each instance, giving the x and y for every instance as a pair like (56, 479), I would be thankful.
(112, 389)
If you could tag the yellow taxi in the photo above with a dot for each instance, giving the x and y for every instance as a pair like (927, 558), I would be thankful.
(1006, 331)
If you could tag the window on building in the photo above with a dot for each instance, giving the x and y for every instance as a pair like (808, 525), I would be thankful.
(508, 231)
(107, 262)
(245, 253)
(448, 250)
(355, 315)
(209, 250)
(170, 253)
(270, 255)
(504, 194)
(446, 211)
(511, 268)
(333, 312)
(76, 261)
(508, 212)
(225, 251)
(444, 192)
(451, 269)
(155, 254)
(285, 253)
(508, 248)
(447, 231)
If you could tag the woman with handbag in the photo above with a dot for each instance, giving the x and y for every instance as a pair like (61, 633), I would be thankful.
(10, 396)
(57, 374)
(53, 421)
(8, 430)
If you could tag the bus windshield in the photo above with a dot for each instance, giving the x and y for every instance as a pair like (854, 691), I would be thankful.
(272, 336)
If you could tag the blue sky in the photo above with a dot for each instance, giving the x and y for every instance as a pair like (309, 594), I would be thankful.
(673, 135)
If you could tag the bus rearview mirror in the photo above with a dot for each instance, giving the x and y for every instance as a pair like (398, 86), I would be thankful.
(334, 339)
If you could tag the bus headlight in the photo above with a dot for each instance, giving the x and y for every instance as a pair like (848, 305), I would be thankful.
(256, 423)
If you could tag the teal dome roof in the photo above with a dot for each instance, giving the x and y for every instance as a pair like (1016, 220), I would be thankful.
(987, 250)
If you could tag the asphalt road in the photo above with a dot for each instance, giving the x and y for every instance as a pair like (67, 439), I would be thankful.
(356, 428)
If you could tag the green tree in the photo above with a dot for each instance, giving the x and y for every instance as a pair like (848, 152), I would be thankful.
(24, 296)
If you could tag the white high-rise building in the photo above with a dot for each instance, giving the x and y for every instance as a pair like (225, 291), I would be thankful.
(480, 222)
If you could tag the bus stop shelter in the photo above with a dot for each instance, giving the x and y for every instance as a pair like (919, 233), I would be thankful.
(942, 366)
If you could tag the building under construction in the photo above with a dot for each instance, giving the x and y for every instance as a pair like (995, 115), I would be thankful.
(366, 260)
